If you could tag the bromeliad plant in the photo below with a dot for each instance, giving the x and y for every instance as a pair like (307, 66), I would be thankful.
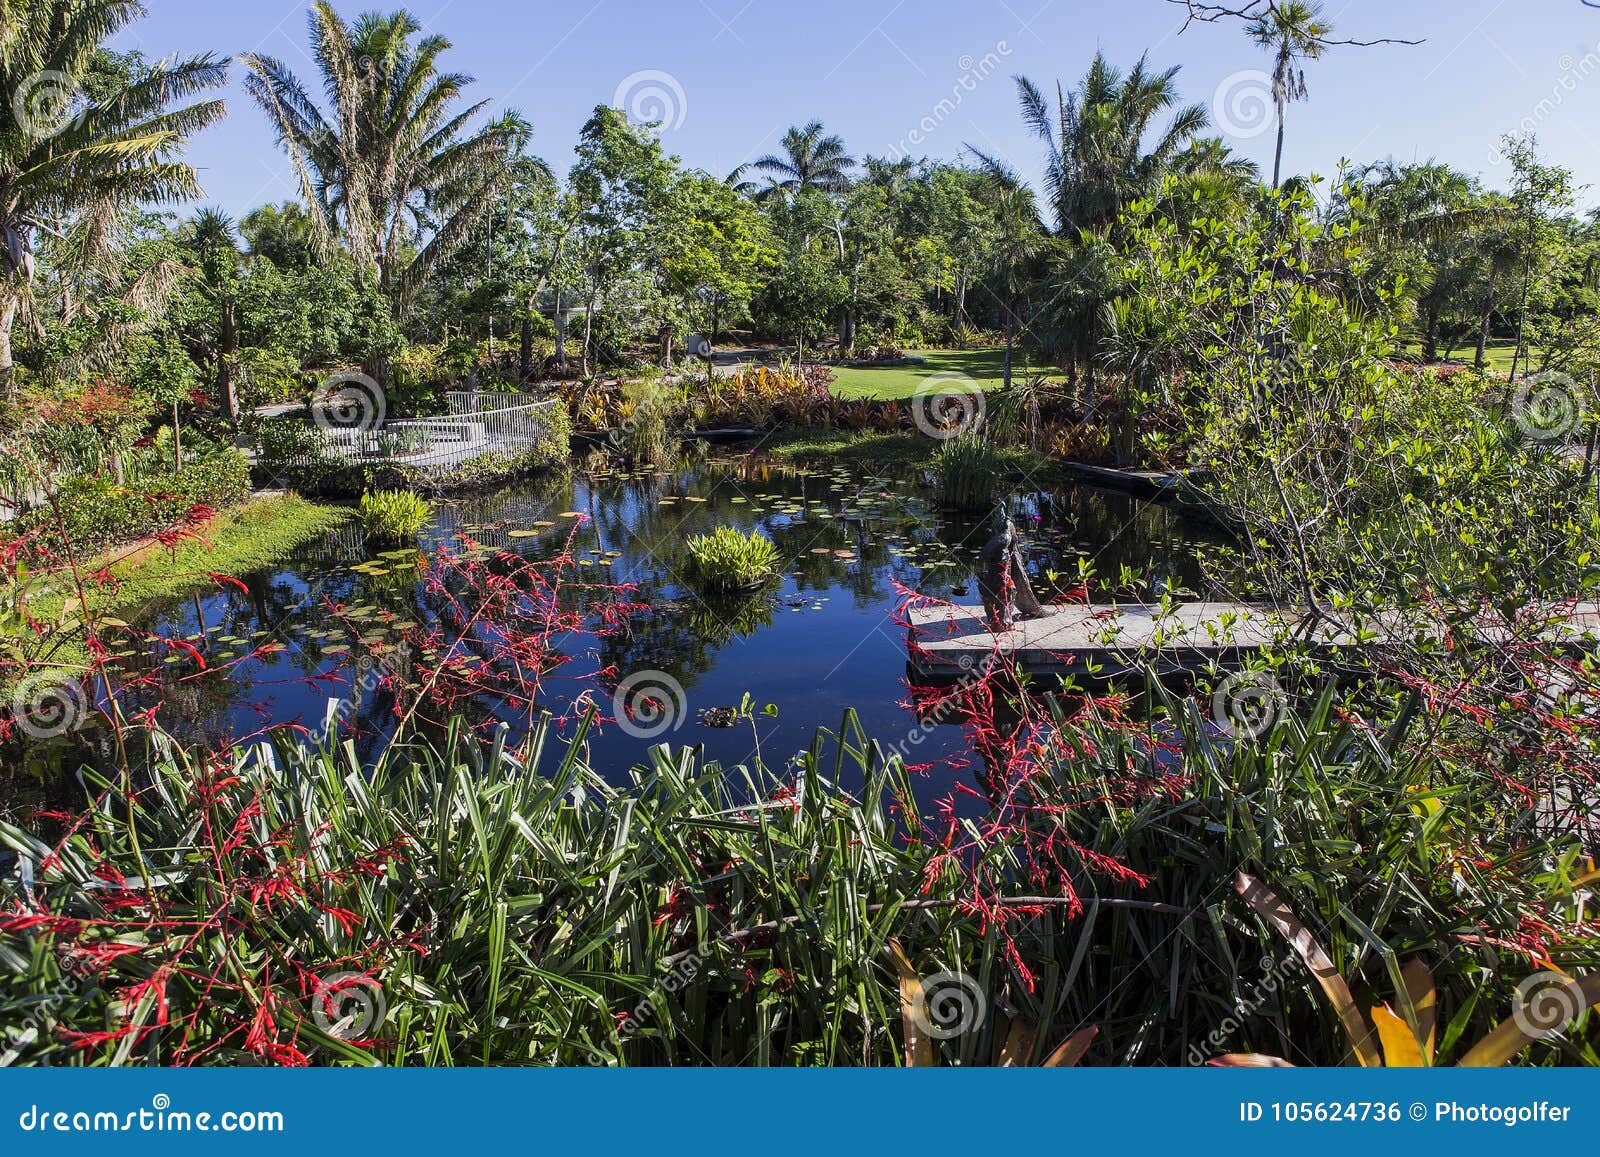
(1410, 1036)
(728, 560)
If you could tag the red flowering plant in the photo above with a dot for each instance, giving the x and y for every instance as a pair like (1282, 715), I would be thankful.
(1104, 828)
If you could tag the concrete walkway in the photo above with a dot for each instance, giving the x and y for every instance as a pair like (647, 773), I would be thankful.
(1117, 640)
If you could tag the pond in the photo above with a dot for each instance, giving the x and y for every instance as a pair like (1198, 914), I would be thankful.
(361, 627)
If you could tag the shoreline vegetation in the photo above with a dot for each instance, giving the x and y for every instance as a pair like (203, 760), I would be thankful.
(479, 915)
(264, 529)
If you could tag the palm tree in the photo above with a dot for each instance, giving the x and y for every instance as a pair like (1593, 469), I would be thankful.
(1292, 31)
(1103, 151)
(282, 233)
(1213, 181)
(70, 161)
(893, 176)
(1096, 160)
(811, 159)
(1018, 238)
(216, 276)
(391, 171)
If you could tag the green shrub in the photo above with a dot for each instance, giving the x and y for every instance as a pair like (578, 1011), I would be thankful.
(727, 559)
(647, 435)
(96, 512)
(393, 516)
(267, 375)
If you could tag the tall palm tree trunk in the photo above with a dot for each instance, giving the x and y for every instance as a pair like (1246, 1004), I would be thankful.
(1277, 156)
(1485, 315)
(227, 355)
(8, 381)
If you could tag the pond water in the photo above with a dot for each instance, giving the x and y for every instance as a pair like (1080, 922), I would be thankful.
(342, 622)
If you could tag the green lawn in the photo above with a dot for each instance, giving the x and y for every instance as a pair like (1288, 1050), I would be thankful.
(1499, 354)
(887, 383)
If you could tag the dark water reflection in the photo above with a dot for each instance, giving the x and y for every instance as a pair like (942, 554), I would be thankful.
(822, 639)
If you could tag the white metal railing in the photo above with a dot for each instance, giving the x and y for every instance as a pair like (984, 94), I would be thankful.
(479, 402)
(479, 424)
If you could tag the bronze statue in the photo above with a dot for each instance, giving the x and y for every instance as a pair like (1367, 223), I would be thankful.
(1003, 580)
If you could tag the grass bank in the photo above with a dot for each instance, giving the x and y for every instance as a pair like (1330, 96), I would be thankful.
(235, 543)
(248, 538)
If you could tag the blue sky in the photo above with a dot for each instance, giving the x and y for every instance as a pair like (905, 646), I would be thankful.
(928, 77)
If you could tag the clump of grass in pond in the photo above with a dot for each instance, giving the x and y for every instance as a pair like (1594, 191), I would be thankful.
(966, 474)
(393, 515)
(729, 560)
(646, 440)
